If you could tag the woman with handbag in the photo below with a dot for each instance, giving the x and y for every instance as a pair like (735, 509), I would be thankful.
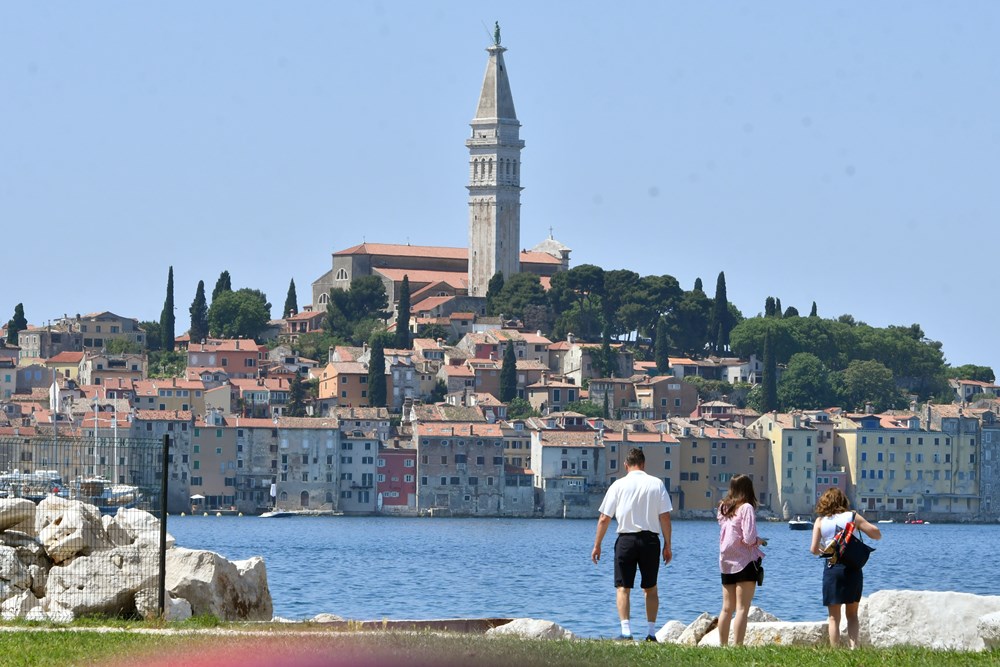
(739, 557)
(842, 585)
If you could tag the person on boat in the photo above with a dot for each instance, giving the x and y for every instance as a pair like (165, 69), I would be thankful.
(739, 557)
(842, 585)
(641, 505)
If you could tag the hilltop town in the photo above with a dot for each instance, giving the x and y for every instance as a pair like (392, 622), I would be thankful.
(493, 380)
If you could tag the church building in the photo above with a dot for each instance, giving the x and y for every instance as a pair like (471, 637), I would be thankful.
(494, 219)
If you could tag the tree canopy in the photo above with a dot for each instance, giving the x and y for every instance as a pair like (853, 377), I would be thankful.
(16, 324)
(240, 314)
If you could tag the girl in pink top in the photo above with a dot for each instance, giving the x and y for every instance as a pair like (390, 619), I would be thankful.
(739, 556)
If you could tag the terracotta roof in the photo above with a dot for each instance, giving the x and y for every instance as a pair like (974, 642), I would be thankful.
(226, 345)
(457, 279)
(429, 304)
(459, 429)
(442, 252)
(163, 415)
(66, 358)
(557, 438)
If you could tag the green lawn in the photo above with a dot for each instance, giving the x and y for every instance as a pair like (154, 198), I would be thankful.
(318, 647)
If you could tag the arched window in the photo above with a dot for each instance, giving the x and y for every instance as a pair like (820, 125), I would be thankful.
(283, 496)
(304, 499)
(489, 171)
(329, 497)
(324, 298)
(506, 167)
(475, 169)
(342, 274)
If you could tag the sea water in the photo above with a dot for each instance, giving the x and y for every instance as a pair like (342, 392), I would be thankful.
(421, 568)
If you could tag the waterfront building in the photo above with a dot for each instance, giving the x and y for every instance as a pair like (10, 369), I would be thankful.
(153, 425)
(957, 490)
(793, 443)
(989, 466)
(460, 468)
(660, 447)
(396, 478)
(358, 450)
(568, 467)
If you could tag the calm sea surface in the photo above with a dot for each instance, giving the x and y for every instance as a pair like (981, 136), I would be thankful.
(380, 567)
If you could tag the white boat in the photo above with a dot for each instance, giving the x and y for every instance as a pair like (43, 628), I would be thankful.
(282, 514)
(886, 521)
(798, 523)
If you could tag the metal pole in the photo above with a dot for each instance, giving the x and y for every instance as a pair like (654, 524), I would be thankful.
(162, 593)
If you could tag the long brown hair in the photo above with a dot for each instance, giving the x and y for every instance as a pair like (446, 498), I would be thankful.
(833, 501)
(740, 491)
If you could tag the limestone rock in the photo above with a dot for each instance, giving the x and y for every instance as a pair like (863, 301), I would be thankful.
(16, 511)
(758, 615)
(103, 583)
(53, 616)
(531, 628)
(670, 632)
(14, 576)
(174, 609)
(140, 526)
(700, 627)
(18, 605)
(988, 627)
(930, 619)
(68, 528)
(230, 591)
(776, 633)
(326, 618)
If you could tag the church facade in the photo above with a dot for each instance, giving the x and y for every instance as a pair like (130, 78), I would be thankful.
(494, 218)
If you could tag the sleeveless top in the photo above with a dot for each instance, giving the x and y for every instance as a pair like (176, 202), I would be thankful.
(829, 525)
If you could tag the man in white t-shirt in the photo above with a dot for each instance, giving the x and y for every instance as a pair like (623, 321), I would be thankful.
(641, 505)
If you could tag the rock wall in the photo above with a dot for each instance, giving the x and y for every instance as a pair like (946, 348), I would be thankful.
(62, 559)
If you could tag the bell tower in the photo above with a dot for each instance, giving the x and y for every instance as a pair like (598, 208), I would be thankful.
(494, 178)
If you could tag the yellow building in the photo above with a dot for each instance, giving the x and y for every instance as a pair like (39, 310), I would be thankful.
(793, 445)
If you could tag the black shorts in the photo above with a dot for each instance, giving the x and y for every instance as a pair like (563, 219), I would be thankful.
(749, 573)
(637, 549)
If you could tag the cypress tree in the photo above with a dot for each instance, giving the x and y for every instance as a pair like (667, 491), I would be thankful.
(296, 397)
(697, 285)
(376, 374)
(17, 324)
(199, 315)
(167, 316)
(403, 316)
(291, 301)
(223, 284)
(812, 313)
(508, 375)
(777, 307)
(493, 290)
(661, 351)
(721, 324)
(770, 380)
(769, 307)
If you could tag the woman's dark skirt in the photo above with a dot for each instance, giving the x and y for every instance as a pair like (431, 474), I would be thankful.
(842, 585)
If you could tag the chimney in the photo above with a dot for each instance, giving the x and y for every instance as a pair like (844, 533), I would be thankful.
(570, 338)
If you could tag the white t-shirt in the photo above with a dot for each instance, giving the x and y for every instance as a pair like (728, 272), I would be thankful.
(636, 501)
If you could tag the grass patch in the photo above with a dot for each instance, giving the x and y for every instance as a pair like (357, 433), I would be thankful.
(271, 646)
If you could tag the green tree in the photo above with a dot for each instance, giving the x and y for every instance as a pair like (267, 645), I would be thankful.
(199, 315)
(520, 408)
(240, 314)
(291, 301)
(223, 284)
(402, 341)
(163, 364)
(368, 298)
(16, 324)
(689, 323)
(805, 384)
(316, 346)
(662, 347)
(769, 307)
(812, 312)
(152, 331)
(438, 393)
(868, 382)
(508, 375)
(493, 290)
(297, 397)
(720, 324)
(769, 400)
(122, 346)
(971, 372)
(167, 316)
(376, 374)
(698, 285)
(519, 291)
(791, 311)
(585, 408)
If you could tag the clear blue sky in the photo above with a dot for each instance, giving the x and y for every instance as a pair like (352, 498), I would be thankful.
(843, 153)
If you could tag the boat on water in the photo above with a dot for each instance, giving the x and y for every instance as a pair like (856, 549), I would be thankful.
(798, 523)
(913, 520)
(283, 514)
(34, 486)
(105, 495)
(886, 521)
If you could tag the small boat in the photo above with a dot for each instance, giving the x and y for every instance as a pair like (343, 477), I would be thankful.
(798, 523)
(105, 495)
(282, 514)
(913, 520)
(886, 521)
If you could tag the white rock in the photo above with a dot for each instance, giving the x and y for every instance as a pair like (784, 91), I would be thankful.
(670, 632)
(174, 609)
(697, 629)
(102, 583)
(988, 627)
(70, 529)
(141, 526)
(776, 633)
(16, 511)
(230, 591)
(18, 605)
(758, 615)
(326, 618)
(930, 619)
(13, 574)
(531, 628)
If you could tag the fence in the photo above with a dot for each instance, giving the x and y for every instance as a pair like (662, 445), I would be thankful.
(108, 473)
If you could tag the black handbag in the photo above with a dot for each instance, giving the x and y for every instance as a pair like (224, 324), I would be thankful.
(760, 572)
(849, 549)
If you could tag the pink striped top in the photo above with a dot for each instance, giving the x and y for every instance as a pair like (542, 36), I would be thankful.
(738, 540)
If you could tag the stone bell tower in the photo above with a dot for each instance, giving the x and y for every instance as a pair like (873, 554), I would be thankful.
(494, 178)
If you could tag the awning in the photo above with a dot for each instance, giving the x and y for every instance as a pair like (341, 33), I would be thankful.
(197, 496)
